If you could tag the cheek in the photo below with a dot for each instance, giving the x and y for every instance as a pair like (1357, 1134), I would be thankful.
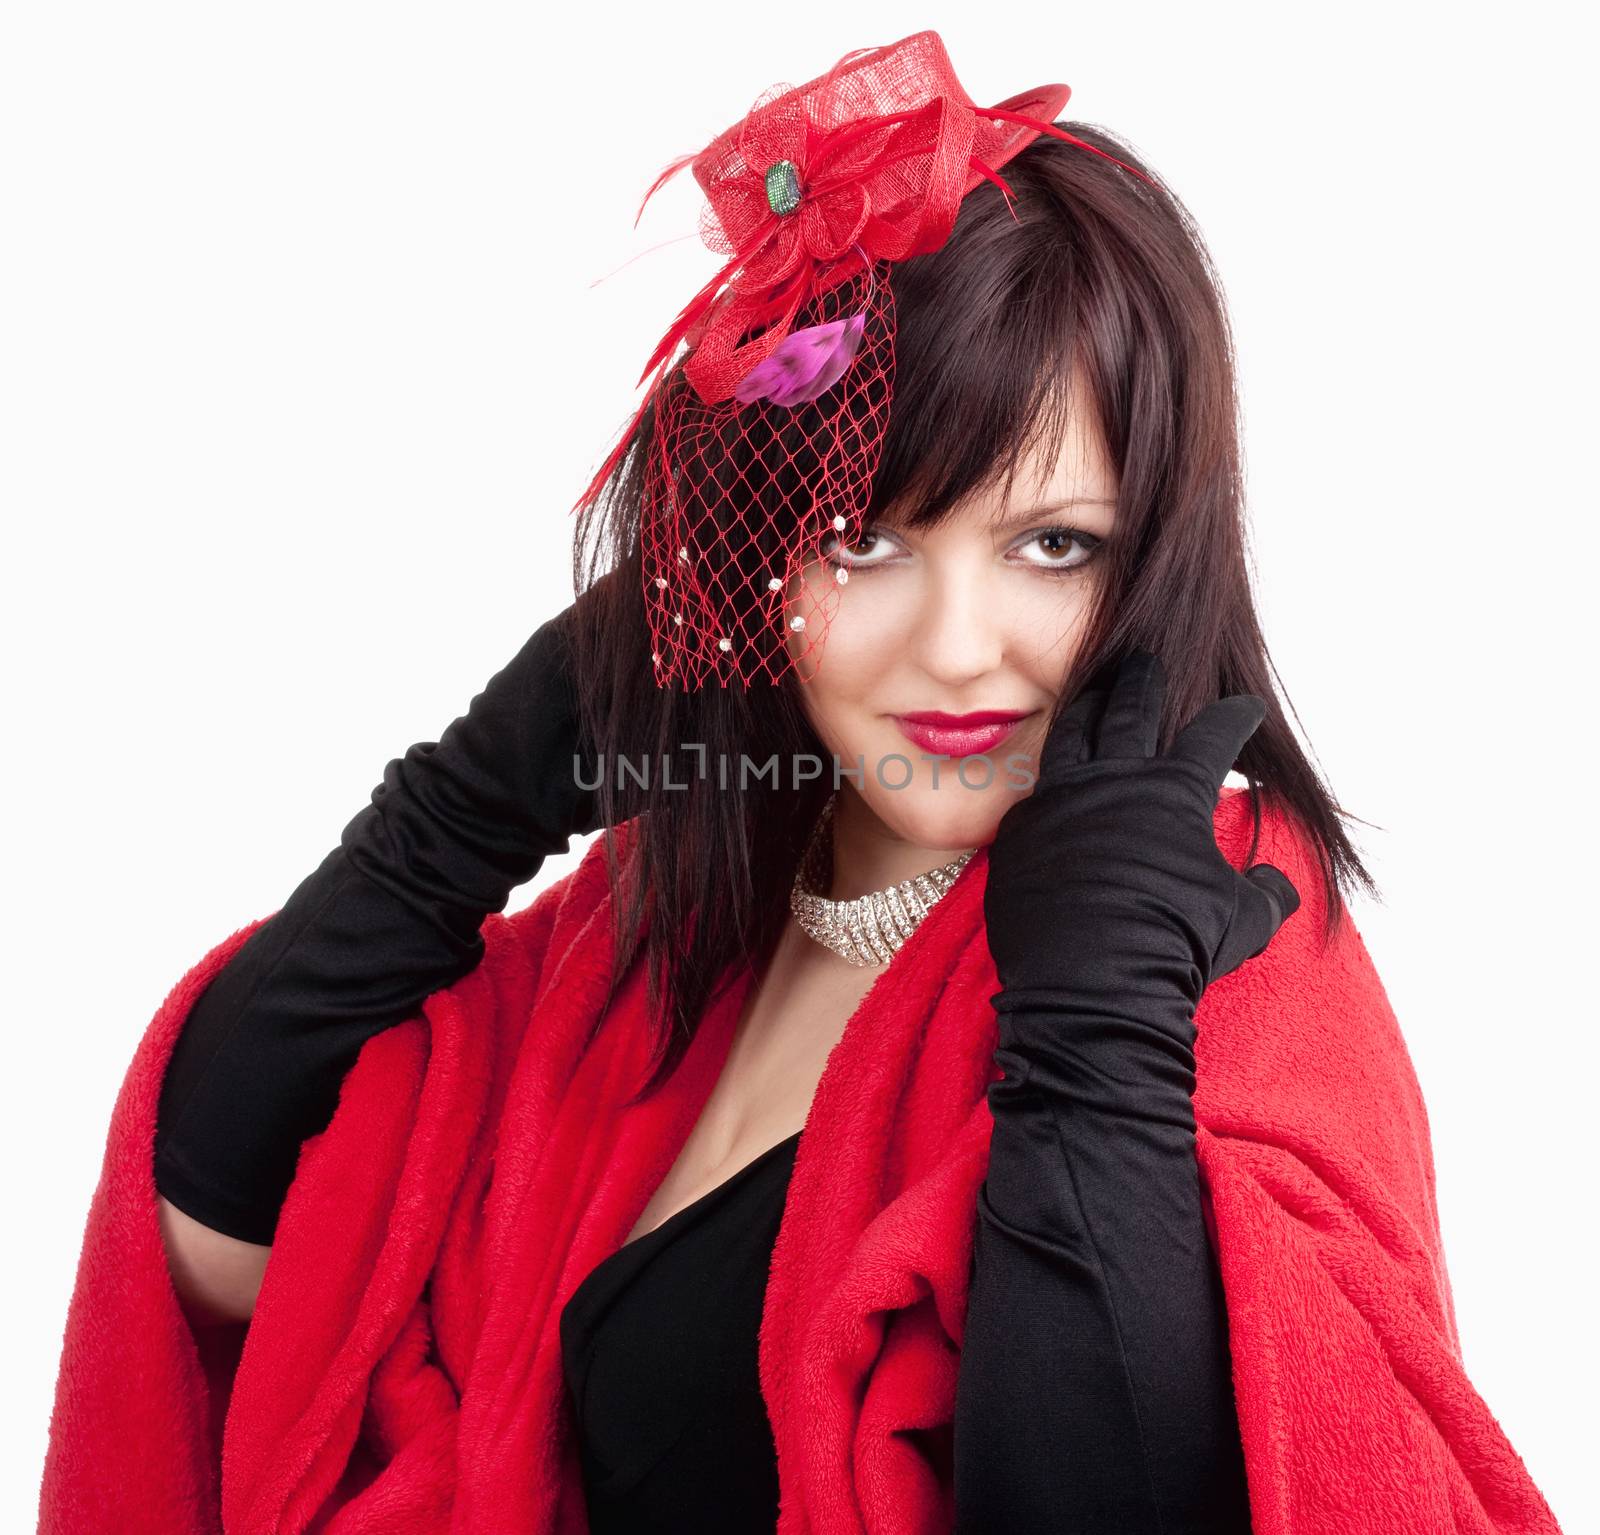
(836, 692)
(842, 689)
(846, 626)
(1047, 622)
(833, 657)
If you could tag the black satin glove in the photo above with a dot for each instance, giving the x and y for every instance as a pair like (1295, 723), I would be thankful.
(390, 916)
(1095, 1385)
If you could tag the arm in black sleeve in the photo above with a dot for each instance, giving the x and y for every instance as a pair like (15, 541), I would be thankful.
(390, 916)
(1094, 1390)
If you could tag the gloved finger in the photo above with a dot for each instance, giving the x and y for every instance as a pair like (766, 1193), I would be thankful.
(1267, 899)
(1216, 735)
(1070, 740)
(1131, 724)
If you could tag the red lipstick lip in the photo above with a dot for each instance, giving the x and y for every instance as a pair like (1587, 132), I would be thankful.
(959, 735)
(938, 717)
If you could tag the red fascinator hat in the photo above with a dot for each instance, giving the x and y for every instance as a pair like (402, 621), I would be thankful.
(764, 442)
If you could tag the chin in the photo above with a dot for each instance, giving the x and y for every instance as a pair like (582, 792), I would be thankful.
(950, 816)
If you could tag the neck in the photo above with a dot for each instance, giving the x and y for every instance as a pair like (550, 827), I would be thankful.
(868, 855)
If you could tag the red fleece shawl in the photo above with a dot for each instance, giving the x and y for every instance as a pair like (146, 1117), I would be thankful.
(402, 1370)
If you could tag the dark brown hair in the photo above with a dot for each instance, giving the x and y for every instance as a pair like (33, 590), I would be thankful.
(1098, 276)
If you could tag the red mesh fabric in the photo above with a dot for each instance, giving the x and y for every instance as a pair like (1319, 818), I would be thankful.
(741, 503)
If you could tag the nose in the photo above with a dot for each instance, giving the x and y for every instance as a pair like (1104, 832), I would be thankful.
(959, 634)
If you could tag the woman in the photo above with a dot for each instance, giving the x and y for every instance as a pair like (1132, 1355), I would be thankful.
(694, 1200)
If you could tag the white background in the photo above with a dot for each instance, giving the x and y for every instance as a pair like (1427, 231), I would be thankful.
(303, 362)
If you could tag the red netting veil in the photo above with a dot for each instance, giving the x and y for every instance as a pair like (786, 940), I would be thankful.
(766, 436)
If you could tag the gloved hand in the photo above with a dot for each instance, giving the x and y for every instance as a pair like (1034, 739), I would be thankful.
(389, 917)
(1109, 872)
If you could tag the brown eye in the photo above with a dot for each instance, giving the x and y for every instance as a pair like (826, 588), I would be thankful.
(1058, 549)
(870, 549)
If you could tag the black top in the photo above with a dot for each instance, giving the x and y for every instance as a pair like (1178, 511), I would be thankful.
(659, 1349)
(658, 1345)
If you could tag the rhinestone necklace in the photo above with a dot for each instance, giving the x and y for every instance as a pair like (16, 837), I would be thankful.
(870, 929)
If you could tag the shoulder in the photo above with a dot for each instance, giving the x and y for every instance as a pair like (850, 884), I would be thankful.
(1301, 961)
(1304, 1034)
(563, 913)
(1303, 1075)
(1309, 1007)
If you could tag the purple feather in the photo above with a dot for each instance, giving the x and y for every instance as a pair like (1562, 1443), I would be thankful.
(805, 364)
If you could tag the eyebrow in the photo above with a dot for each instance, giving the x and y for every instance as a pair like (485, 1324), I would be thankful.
(1034, 513)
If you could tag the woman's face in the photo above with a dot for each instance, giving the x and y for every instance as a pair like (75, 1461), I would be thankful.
(983, 614)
